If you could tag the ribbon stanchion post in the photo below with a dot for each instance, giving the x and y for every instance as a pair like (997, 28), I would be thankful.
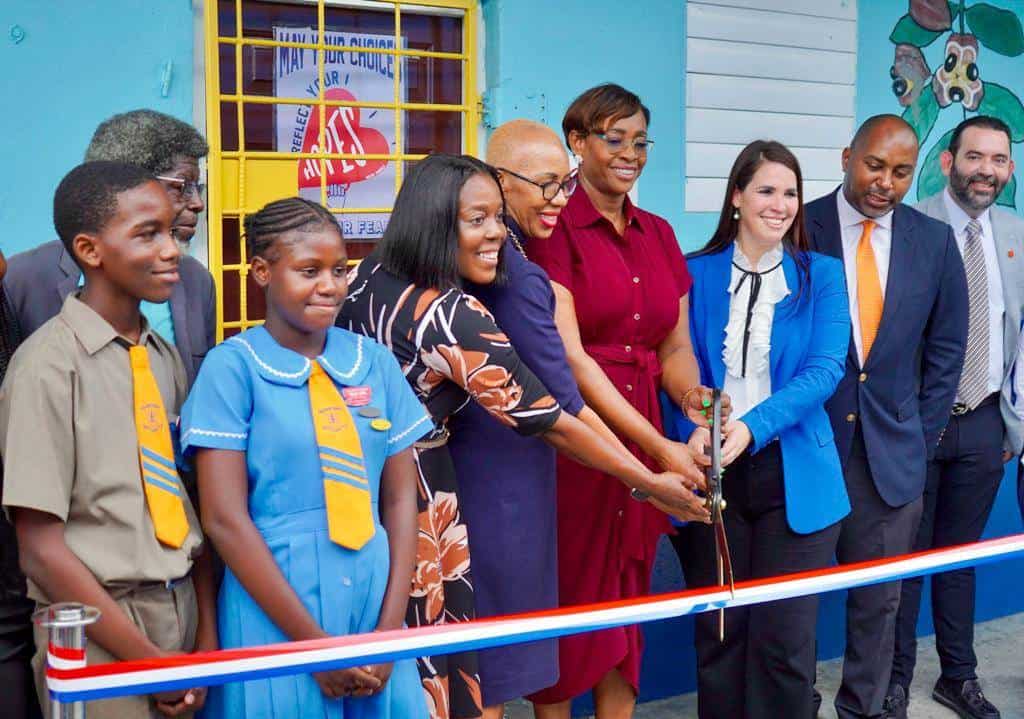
(66, 623)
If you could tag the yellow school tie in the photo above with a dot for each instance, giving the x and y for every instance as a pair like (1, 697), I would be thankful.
(156, 454)
(346, 489)
(869, 291)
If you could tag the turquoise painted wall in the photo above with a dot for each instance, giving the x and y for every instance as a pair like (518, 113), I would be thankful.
(540, 55)
(78, 62)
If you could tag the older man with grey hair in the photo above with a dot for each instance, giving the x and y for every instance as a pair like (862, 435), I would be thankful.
(39, 280)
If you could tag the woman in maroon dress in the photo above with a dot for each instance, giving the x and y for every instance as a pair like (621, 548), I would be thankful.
(621, 287)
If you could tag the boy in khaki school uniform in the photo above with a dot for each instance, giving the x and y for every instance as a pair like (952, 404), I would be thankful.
(94, 523)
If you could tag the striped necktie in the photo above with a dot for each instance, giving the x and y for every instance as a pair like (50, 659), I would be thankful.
(973, 386)
(160, 479)
(346, 488)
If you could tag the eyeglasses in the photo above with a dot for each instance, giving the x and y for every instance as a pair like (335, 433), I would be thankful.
(183, 188)
(616, 145)
(550, 189)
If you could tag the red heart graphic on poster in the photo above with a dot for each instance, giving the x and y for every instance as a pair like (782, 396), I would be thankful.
(342, 135)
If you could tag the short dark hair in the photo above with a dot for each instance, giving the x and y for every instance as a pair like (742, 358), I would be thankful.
(148, 138)
(421, 241)
(86, 198)
(987, 122)
(868, 125)
(605, 102)
(265, 227)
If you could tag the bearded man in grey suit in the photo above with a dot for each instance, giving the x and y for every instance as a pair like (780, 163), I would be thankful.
(984, 431)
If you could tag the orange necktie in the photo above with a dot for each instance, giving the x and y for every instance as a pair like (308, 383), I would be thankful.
(869, 291)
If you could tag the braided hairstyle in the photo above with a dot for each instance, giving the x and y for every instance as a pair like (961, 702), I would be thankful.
(265, 228)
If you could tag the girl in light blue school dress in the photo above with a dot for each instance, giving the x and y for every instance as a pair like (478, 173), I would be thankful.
(248, 424)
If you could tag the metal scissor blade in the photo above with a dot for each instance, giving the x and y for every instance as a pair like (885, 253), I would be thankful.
(722, 552)
(723, 562)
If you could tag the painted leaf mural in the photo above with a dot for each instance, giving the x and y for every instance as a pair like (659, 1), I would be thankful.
(958, 80)
(922, 114)
(1002, 103)
(907, 31)
(930, 179)
(999, 30)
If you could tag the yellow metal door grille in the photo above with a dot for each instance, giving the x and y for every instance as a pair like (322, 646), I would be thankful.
(245, 175)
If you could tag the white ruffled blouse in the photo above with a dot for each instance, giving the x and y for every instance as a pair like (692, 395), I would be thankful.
(749, 383)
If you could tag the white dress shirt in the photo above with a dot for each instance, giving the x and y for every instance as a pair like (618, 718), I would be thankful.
(851, 224)
(958, 220)
(748, 391)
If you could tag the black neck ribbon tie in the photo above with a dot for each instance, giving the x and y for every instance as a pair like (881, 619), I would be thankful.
(755, 290)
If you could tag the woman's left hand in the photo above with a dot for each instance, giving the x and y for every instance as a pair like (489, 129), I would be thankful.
(737, 439)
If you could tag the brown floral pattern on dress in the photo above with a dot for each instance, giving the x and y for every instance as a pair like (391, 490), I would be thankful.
(442, 553)
(451, 352)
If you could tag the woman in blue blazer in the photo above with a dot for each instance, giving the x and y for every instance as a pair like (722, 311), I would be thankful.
(770, 325)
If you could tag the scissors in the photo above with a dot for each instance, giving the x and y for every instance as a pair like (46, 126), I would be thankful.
(715, 503)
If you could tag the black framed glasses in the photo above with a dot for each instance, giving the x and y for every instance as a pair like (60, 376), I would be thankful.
(550, 189)
(183, 188)
(617, 144)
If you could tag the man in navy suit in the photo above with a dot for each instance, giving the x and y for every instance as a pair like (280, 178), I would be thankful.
(908, 308)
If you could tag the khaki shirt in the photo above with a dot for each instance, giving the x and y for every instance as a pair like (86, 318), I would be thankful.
(67, 434)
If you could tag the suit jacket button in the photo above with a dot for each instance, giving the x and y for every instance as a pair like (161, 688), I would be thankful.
(863, 377)
(852, 417)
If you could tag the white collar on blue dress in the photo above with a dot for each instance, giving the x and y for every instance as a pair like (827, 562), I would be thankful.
(344, 357)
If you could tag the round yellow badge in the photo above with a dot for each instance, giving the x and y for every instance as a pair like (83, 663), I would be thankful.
(381, 425)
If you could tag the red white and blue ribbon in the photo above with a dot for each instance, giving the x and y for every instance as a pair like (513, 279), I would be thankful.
(69, 684)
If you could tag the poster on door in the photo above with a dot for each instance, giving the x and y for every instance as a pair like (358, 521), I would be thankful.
(348, 75)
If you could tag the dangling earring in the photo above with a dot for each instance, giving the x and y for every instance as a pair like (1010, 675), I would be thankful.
(736, 213)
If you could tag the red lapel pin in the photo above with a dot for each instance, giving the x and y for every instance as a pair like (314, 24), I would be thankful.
(1009, 253)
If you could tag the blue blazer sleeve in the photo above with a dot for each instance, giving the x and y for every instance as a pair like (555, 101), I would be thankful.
(823, 365)
(945, 342)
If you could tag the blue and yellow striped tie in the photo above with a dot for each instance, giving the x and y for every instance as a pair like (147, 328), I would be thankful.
(346, 488)
(160, 479)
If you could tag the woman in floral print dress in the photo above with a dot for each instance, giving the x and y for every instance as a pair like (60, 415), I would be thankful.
(448, 226)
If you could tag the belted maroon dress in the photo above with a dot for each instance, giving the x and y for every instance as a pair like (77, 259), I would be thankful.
(626, 290)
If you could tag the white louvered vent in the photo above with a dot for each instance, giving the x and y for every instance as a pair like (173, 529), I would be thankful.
(768, 69)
